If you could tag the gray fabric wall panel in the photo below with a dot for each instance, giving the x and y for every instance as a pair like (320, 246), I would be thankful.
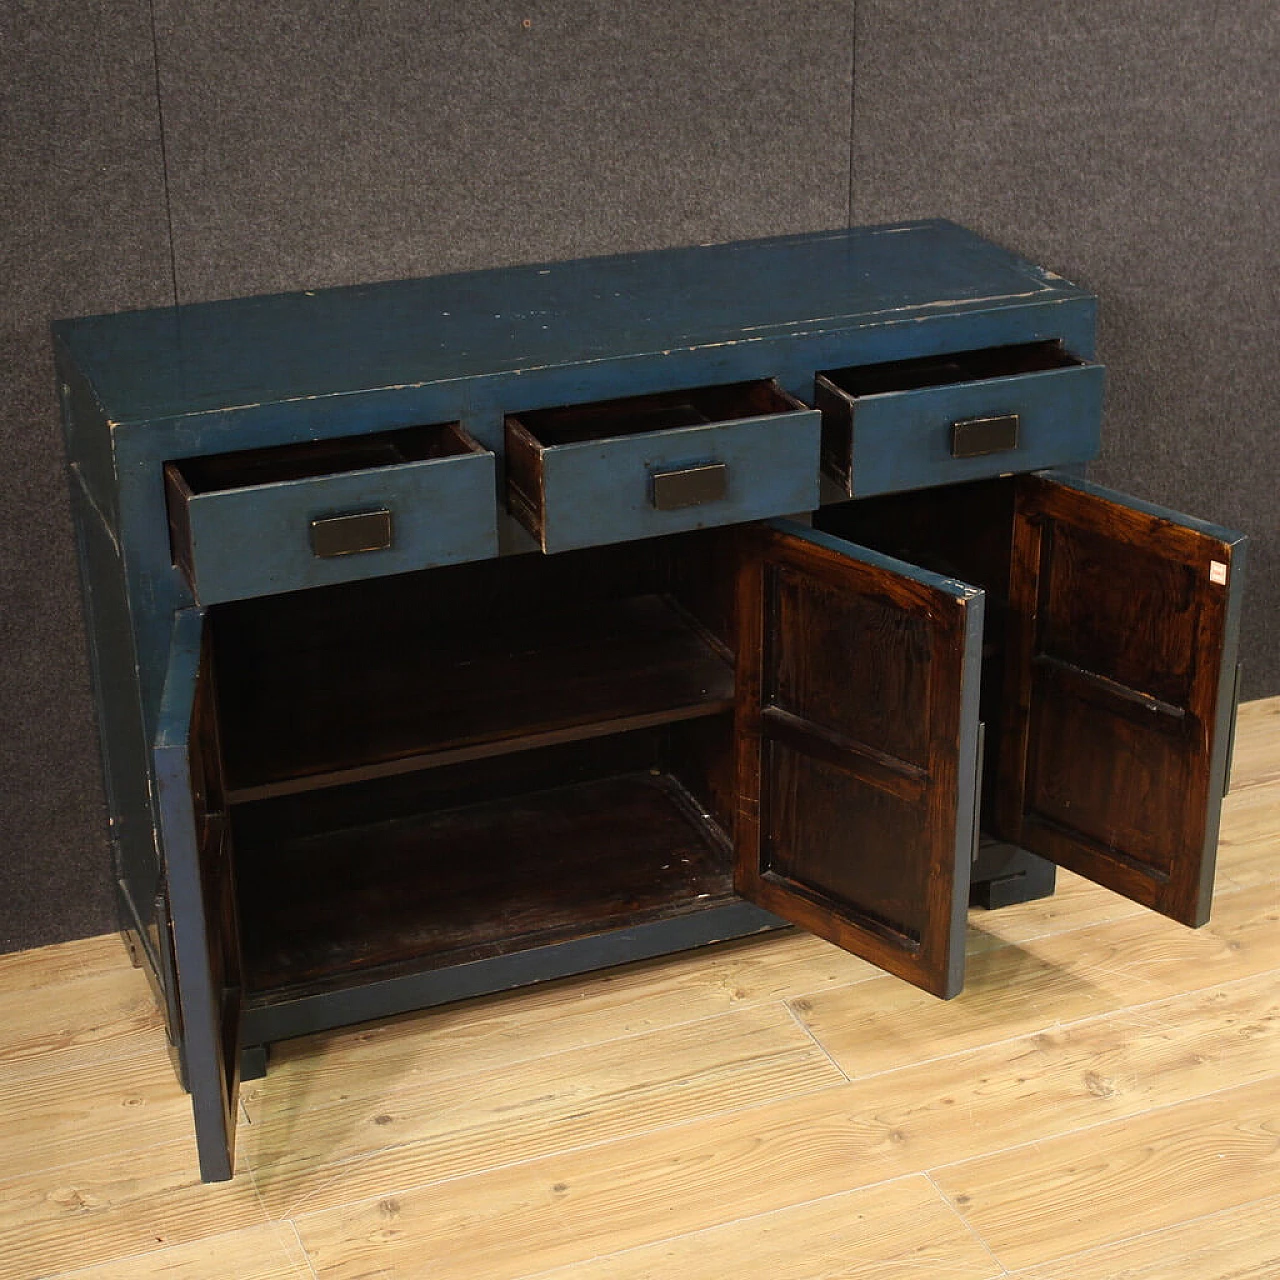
(1132, 145)
(313, 143)
(82, 203)
(1135, 148)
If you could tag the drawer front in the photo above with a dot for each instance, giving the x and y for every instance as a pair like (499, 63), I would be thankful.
(311, 532)
(964, 431)
(626, 487)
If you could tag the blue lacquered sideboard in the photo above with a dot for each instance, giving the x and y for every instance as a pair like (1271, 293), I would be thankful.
(455, 634)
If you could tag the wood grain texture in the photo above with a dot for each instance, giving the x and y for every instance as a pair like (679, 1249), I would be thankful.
(89, 1017)
(898, 1229)
(116, 1203)
(1121, 655)
(1041, 982)
(312, 1157)
(856, 798)
(1256, 761)
(1240, 1243)
(1031, 1205)
(508, 1030)
(267, 1252)
(1105, 1093)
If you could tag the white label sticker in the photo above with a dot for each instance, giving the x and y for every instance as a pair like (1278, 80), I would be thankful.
(1218, 572)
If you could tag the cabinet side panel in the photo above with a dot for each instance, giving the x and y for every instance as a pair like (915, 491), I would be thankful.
(125, 759)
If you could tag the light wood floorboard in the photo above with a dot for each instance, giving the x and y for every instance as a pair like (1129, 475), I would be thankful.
(1101, 1103)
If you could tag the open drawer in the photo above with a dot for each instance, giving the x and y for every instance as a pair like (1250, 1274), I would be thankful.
(263, 521)
(909, 424)
(611, 471)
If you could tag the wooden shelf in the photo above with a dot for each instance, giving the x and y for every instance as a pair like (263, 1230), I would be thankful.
(381, 702)
(445, 887)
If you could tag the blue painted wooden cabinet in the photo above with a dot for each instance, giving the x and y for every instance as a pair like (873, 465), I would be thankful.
(454, 634)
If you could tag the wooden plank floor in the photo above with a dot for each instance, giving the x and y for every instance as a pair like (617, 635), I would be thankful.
(1102, 1103)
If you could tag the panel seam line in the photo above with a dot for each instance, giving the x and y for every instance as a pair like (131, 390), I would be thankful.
(164, 151)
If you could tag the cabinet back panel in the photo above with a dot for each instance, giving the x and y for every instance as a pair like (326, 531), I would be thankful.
(323, 687)
(263, 824)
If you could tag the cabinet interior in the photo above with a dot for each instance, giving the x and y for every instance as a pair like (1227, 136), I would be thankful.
(965, 532)
(279, 463)
(432, 767)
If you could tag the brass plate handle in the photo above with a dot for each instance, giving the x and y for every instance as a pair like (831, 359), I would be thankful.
(974, 437)
(350, 534)
(688, 486)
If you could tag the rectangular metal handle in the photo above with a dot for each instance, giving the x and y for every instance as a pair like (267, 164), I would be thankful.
(688, 486)
(974, 437)
(349, 534)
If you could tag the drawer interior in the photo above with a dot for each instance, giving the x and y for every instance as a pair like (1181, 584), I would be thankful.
(950, 368)
(665, 411)
(313, 458)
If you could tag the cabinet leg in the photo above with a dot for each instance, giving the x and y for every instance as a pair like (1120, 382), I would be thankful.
(253, 1061)
(133, 947)
(178, 1062)
(1005, 875)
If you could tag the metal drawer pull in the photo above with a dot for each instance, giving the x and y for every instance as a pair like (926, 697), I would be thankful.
(349, 534)
(688, 486)
(977, 436)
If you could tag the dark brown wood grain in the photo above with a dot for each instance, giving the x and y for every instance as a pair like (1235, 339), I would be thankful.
(446, 886)
(966, 532)
(416, 700)
(177, 494)
(312, 458)
(950, 367)
(524, 489)
(422, 670)
(849, 737)
(1116, 633)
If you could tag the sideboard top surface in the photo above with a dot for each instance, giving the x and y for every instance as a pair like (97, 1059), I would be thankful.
(206, 357)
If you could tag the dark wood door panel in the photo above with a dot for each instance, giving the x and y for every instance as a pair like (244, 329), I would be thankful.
(1122, 636)
(857, 693)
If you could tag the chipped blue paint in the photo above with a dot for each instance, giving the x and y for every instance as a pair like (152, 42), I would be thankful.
(902, 439)
(255, 541)
(597, 491)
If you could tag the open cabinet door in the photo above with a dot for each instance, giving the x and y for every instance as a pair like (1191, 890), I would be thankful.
(857, 723)
(1120, 690)
(198, 871)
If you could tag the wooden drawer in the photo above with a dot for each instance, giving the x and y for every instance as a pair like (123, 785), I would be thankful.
(910, 424)
(648, 465)
(263, 521)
